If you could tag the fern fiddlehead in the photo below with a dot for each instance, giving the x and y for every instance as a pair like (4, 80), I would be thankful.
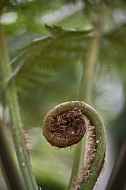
(65, 125)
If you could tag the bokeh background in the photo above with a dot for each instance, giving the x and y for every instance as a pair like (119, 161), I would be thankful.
(48, 42)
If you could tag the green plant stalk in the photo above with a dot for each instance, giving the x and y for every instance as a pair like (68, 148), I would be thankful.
(12, 99)
(8, 167)
(95, 146)
(86, 86)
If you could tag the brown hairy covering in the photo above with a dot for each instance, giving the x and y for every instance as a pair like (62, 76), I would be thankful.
(90, 147)
(65, 129)
(27, 141)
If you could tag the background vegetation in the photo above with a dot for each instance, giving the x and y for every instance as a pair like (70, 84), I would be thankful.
(48, 44)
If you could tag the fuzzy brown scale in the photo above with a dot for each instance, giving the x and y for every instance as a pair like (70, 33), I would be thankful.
(65, 129)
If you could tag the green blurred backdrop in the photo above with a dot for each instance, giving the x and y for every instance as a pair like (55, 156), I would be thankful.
(48, 44)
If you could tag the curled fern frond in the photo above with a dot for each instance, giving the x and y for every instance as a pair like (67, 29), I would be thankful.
(65, 125)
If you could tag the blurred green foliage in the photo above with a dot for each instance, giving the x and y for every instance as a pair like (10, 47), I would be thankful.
(48, 44)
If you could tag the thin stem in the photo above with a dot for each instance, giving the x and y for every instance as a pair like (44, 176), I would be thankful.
(86, 86)
(95, 146)
(76, 163)
(12, 99)
(9, 169)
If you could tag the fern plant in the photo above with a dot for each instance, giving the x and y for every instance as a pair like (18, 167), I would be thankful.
(54, 52)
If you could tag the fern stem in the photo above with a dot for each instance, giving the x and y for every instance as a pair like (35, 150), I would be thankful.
(86, 86)
(8, 167)
(95, 146)
(12, 99)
